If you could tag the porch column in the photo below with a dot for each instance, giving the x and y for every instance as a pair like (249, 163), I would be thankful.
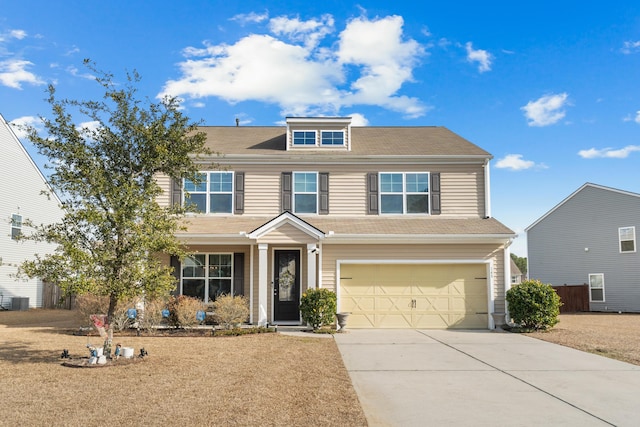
(262, 284)
(312, 256)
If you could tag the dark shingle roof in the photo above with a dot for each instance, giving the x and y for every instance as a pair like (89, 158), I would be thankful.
(365, 141)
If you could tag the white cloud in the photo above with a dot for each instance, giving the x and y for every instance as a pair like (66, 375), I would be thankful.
(13, 72)
(608, 153)
(515, 162)
(309, 32)
(76, 73)
(297, 69)
(19, 123)
(637, 119)
(482, 57)
(247, 18)
(358, 119)
(18, 34)
(13, 34)
(546, 110)
(630, 47)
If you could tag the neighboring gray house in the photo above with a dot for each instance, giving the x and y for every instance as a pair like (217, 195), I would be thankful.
(590, 237)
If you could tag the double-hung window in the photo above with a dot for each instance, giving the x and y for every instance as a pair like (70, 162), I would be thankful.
(16, 226)
(404, 193)
(304, 137)
(596, 287)
(305, 192)
(332, 137)
(211, 193)
(207, 276)
(627, 237)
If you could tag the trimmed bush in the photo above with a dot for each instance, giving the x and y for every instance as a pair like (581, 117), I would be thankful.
(318, 307)
(89, 304)
(182, 311)
(230, 311)
(152, 317)
(533, 305)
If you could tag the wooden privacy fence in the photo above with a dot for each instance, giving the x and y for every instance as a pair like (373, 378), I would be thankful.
(52, 297)
(574, 298)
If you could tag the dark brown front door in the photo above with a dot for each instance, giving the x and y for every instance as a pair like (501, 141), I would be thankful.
(286, 286)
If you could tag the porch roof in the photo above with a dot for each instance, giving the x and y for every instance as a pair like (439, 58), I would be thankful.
(354, 227)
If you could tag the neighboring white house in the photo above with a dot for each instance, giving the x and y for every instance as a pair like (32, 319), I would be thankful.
(21, 198)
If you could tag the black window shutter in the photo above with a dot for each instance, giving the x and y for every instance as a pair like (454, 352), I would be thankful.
(174, 261)
(238, 273)
(372, 189)
(286, 194)
(324, 193)
(436, 208)
(176, 191)
(238, 205)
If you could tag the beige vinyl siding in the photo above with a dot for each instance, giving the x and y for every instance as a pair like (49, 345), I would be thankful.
(287, 234)
(164, 199)
(332, 253)
(462, 192)
(262, 191)
(462, 187)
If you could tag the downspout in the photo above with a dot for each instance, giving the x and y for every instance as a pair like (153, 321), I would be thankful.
(487, 189)
(507, 278)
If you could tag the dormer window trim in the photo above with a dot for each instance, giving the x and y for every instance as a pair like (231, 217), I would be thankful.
(331, 127)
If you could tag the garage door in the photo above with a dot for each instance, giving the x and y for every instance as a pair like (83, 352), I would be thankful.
(414, 296)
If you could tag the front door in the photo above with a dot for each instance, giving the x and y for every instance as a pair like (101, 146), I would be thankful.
(286, 286)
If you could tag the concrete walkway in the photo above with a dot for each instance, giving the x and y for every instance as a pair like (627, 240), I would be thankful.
(485, 378)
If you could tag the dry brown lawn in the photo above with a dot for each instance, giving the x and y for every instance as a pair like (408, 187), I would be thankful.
(613, 335)
(265, 379)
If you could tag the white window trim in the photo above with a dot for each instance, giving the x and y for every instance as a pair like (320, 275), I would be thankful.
(16, 227)
(404, 193)
(294, 193)
(208, 192)
(633, 230)
(333, 145)
(603, 286)
(315, 138)
(206, 274)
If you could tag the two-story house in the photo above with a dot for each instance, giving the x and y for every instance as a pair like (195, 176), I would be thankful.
(21, 199)
(395, 220)
(590, 237)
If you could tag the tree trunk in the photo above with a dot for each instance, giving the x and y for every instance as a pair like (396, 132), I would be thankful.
(113, 301)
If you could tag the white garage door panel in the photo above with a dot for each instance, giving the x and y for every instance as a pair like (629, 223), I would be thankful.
(414, 296)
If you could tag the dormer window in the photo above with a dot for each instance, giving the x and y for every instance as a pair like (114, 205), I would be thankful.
(319, 133)
(332, 137)
(304, 137)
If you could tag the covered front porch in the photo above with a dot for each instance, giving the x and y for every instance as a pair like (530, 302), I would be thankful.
(271, 266)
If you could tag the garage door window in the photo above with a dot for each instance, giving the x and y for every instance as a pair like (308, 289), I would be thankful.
(404, 193)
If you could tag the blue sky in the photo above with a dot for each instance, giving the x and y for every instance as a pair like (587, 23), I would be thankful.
(551, 89)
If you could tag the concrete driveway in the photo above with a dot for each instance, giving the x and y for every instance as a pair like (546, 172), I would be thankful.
(482, 378)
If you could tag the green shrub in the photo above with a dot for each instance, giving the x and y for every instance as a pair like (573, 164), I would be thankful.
(318, 307)
(183, 310)
(230, 311)
(533, 305)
